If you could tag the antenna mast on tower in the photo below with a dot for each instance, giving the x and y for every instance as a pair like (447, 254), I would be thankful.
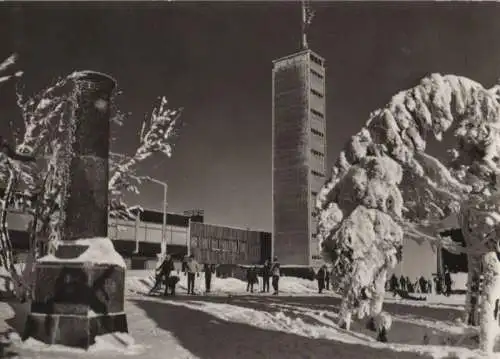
(307, 16)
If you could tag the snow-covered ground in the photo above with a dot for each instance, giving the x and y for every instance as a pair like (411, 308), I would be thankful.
(139, 281)
(299, 323)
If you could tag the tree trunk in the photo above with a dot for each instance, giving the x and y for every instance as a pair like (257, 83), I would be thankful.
(472, 299)
(377, 300)
(490, 296)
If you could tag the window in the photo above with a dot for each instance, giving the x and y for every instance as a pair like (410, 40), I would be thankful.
(317, 133)
(316, 60)
(317, 113)
(314, 92)
(317, 174)
(214, 243)
(317, 153)
(317, 74)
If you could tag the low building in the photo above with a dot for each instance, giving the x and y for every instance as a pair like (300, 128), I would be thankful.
(226, 245)
(139, 241)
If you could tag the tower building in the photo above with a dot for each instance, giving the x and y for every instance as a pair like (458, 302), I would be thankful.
(299, 152)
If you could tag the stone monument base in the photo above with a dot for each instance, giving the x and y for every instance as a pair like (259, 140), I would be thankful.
(72, 330)
(79, 294)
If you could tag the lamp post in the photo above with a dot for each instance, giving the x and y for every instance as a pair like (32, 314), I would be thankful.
(164, 222)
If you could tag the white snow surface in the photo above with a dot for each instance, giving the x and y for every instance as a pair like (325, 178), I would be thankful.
(100, 251)
(147, 340)
(141, 281)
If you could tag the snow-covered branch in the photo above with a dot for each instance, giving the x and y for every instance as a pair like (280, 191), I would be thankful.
(155, 137)
(6, 65)
(384, 170)
(45, 139)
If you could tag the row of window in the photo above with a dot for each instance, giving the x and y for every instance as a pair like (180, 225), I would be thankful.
(219, 244)
(317, 133)
(317, 113)
(316, 93)
(317, 153)
(220, 257)
(316, 60)
(317, 174)
(317, 74)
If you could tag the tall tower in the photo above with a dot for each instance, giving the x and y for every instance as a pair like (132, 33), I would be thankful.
(299, 151)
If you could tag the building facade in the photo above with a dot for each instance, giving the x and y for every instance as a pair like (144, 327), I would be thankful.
(226, 245)
(139, 241)
(299, 155)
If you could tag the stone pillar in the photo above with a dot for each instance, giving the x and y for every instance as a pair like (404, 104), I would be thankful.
(79, 291)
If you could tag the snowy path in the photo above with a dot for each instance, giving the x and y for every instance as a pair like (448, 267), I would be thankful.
(215, 333)
(297, 324)
(152, 342)
(298, 327)
(200, 327)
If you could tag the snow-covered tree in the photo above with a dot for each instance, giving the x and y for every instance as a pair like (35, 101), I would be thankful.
(385, 168)
(30, 169)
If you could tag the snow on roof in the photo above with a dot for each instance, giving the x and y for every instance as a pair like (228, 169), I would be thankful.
(100, 251)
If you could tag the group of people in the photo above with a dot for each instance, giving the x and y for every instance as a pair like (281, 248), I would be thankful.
(270, 273)
(442, 284)
(191, 268)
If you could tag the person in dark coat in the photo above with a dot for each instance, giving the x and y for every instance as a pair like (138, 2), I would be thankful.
(438, 283)
(423, 284)
(251, 278)
(208, 276)
(266, 276)
(275, 272)
(321, 279)
(447, 282)
(170, 284)
(394, 284)
(429, 286)
(327, 278)
(163, 273)
(402, 283)
(409, 285)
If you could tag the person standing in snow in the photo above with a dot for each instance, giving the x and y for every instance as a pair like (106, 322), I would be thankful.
(402, 283)
(429, 286)
(266, 276)
(321, 276)
(327, 278)
(409, 285)
(275, 272)
(447, 282)
(163, 273)
(208, 277)
(441, 284)
(423, 284)
(252, 278)
(192, 269)
(394, 284)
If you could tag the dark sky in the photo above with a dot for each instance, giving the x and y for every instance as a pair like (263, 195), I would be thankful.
(215, 60)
